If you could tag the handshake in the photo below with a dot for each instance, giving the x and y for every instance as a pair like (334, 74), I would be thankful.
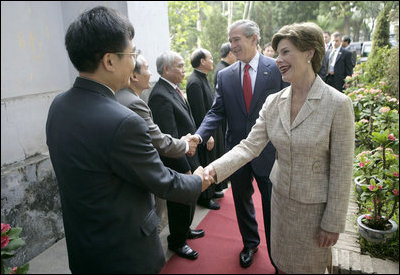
(193, 141)
(208, 176)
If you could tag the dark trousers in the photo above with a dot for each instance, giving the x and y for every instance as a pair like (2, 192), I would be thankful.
(180, 217)
(330, 80)
(242, 190)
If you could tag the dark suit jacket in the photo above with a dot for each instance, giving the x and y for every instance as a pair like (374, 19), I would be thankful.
(229, 104)
(106, 169)
(164, 143)
(221, 65)
(343, 67)
(200, 98)
(173, 115)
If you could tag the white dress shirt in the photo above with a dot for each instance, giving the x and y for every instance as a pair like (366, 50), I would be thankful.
(252, 71)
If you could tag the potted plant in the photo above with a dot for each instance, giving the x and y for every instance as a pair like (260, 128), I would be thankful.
(378, 169)
(10, 241)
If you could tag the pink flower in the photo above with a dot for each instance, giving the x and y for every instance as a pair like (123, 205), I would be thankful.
(364, 120)
(5, 227)
(371, 188)
(369, 209)
(395, 192)
(380, 187)
(384, 110)
(362, 164)
(391, 137)
(13, 270)
(395, 174)
(4, 241)
(368, 217)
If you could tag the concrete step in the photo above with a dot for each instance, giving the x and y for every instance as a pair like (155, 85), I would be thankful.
(344, 261)
(366, 265)
(355, 262)
(384, 266)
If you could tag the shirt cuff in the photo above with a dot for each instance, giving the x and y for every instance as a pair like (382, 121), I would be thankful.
(187, 146)
(201, 140)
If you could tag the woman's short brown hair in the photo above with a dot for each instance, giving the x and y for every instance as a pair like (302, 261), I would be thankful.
(304, 36)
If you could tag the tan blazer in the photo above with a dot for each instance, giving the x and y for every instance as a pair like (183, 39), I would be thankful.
(314, 155)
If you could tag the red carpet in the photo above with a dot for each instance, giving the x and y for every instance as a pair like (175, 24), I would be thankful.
(220, 247)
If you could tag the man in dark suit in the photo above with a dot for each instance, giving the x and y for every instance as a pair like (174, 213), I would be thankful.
(227, 59)
(336, 64)
(200, 99)
(173, 115)
(241, 91)
(105, 164)
(346, 45)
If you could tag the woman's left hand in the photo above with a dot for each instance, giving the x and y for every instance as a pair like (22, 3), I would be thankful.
(327, 239)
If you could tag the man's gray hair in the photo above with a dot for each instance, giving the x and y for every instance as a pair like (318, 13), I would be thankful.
(337, 34)
(249, 28)
(166, 59)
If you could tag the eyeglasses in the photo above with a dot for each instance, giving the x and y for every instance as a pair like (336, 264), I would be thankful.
(133, 55)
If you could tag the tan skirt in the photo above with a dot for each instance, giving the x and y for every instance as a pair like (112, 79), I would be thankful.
(294, 227)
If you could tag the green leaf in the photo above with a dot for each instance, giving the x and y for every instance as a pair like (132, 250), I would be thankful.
(14, 244)
(14, 232)
(7, 254)
(22, 269)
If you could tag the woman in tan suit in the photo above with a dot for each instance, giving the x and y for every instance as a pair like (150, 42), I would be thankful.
(311, 126)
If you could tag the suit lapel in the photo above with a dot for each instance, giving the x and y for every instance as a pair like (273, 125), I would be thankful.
(284, 109)
(177, 98)
(304, 112)
(311, 102)
(340, 53)
(263, 76)
(237, 86)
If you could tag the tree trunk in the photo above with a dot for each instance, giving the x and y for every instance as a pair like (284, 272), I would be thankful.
(230, 12)
(198, 25)
(346, 28)
(250, 9)
(246, 10)
(356, 30)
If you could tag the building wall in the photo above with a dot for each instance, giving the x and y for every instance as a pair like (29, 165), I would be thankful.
(35, 68)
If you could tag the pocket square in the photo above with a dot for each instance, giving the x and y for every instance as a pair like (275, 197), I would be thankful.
(265, 73)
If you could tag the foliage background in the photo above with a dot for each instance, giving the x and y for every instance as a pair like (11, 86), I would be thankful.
(204, 24)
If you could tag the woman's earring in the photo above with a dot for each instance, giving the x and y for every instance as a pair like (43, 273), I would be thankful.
(308, 61)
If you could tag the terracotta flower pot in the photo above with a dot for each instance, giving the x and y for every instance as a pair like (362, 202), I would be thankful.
(376, 236)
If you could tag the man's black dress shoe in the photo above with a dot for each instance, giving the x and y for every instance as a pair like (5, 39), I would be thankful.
(185, 252)
(210, 204)
(195, 234)
(218, 194)
(246, 256)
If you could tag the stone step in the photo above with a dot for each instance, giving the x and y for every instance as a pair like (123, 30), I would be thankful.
(366, 264)
(355, 262)
(384, 266)
(344, 261)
